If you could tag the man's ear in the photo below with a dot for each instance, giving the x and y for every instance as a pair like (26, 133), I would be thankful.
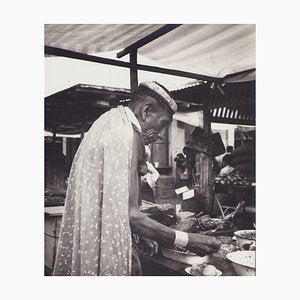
(146, 109)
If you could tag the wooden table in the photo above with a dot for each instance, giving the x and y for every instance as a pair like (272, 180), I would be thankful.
(52, 224)
(221, 188)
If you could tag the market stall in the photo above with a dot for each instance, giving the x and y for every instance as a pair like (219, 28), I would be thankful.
(187, 204)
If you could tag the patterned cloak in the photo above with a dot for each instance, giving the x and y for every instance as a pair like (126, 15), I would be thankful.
(95, 236)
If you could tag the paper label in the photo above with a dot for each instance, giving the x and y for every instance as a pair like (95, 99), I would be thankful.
(181, 190)
(189, 194)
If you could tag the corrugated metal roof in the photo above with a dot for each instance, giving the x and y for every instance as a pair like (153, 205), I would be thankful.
(208, 49)
(79, 106)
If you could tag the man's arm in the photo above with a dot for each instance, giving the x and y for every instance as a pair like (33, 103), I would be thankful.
(141, 223)
(148, 228)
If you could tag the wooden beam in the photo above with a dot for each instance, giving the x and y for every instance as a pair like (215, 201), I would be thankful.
(76, 55)
(147, 39)
(133, 71)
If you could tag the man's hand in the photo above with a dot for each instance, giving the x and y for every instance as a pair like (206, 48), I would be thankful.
(148, 247)
(202, 244)
(150, 136)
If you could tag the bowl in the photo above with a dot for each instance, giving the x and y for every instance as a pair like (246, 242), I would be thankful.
(243, 262)
(188, 258)
(245, 239)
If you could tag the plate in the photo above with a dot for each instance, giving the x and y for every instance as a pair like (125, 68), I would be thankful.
(188, 270)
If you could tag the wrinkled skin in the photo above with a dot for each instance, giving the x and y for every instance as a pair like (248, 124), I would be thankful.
(202, 244)
(150, 136)
(148, 247)
(153, 120)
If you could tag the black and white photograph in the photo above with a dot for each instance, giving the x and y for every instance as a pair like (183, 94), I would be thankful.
(150, 147)
(149, 150)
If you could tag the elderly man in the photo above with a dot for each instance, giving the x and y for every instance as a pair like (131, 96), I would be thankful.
(103, 195)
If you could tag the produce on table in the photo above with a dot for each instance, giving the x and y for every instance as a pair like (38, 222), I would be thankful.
(207, 223)
(181, 215)
(224, 250)
(235, 178)
(191, 223)
(197, 269)
(210, 270)
(163, 213)
(204, 269)
(187, 225)
(251, 234)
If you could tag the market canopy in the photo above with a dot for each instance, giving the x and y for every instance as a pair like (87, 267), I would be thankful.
(219, 51)
(214, 50)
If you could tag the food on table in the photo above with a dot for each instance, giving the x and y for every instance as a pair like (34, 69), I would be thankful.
(182, 215)
(250, 235)
(207, 223)
(204, 269)
(157, 209)
(197, 269)
(235, 178)
(187, 225)
(224, 250)
(210, 270)
(163, 213)
(246, 239)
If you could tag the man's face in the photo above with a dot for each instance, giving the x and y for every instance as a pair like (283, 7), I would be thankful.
(154, 124)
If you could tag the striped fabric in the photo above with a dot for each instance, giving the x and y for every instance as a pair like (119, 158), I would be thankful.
(213, 50)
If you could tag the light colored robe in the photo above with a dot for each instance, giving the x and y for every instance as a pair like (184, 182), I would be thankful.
(95, 237)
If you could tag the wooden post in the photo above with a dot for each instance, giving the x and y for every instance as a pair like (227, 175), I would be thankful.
(133, 71)
(207, 130)
(54, 136)
(206, 119)
(82, 128)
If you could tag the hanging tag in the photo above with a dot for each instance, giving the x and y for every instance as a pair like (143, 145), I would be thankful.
(188, 194)
(181, 190)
